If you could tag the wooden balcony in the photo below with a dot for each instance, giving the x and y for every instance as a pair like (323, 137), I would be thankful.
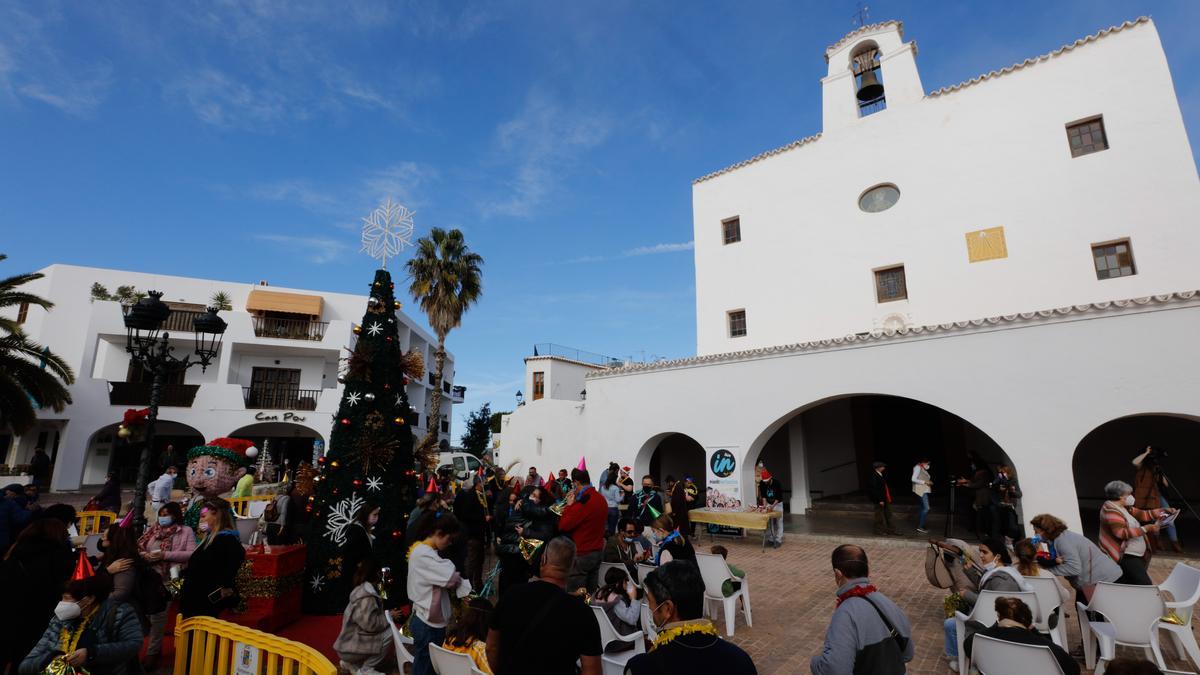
(138, 393)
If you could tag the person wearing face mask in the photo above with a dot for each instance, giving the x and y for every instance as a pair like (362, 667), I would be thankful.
(998, 575)
(167, 546)
(34, 572)
(539, 628)
(209, 580)
(627, 546)
(431, 580)
(671, 542)
(922, 485)
(860, 633)
(1122, 534)
(686, 642)
(89, 631)
(360, 542)
(648, 502)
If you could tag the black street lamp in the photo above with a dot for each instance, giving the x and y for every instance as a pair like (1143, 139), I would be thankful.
(152, 350)
(520, 398)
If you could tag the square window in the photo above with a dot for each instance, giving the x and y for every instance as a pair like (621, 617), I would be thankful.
(1113, 260)
(539, 385)
(731, 230)
(737, 323)
(1087, 137)
(890, 284)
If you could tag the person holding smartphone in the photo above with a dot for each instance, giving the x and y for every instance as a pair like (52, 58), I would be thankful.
(209, 580)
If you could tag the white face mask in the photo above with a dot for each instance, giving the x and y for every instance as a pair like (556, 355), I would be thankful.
(1129, 500)
(990, 566)
(66, 611)
(204, 527)
(657, 628)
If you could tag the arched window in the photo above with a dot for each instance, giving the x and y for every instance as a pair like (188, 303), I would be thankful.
(868, 78)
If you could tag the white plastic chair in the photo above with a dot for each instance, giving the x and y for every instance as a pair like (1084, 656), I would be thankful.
(715, 573)
(993, 656)
(642, 570)
(984, 612)
(255, 508)
(446, 662)
(606, 566)
(1050, 603)
(648, 622)
(1184, 586)
(1132, 614)
(614, 664)
(401, 642)
(246, 527)
(92, 545)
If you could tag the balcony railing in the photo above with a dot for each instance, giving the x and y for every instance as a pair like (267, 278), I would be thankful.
(138, 393)
(289, 329)
(550, 349)
(458, 392)
(180, 321)
(281, 398)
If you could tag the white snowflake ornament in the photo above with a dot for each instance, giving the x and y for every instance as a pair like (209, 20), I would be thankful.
(317, 583)
(374, 484)
(374, 329)
(341, 516)
(387, 231)
(352, 398)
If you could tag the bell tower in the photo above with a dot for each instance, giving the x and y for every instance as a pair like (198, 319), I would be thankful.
(871, 70)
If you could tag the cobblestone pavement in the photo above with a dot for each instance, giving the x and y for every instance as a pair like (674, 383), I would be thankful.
(792, 597)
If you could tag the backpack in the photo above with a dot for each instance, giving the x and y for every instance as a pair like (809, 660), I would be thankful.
(149, 596)
(885, 657)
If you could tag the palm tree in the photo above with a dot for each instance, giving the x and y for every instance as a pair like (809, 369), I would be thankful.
(30, 374)
(221, 301)
(445, 279)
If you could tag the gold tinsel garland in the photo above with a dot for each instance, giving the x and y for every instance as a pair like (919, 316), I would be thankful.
(250, 586)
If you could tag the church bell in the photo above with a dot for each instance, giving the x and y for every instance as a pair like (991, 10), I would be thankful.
(869, 87)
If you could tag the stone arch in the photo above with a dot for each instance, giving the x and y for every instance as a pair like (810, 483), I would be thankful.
(284, 440)
(686, 457)
(824, 448)
(1105, 453)
(106, 451)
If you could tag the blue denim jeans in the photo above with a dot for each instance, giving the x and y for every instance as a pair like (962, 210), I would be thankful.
(924, 511)
(423, 636)
(951, 630)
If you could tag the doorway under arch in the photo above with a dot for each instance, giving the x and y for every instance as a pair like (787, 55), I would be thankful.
(108, 452)
(1106, 453)
(822, 453)
(673, 455)
(284, 440)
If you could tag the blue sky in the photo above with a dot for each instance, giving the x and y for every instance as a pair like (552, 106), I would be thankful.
(562, 138)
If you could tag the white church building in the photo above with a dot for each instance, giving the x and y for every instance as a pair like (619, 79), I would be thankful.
(1005, 267)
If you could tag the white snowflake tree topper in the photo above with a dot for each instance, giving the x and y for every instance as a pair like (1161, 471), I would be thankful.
(341, 516)
(387, 231)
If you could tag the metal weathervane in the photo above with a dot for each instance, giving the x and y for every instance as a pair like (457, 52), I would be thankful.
(387, 231)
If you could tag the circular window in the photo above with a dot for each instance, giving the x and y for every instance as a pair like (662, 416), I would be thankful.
(879, 198)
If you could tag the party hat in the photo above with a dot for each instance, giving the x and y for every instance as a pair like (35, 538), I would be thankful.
(582, 464)
(127, 520)
(653, 511)
(83, 568)
(432, 487)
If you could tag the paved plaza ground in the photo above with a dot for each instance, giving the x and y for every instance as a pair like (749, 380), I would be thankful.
(792, 597)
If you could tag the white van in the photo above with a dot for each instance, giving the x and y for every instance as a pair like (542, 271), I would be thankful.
(460, 464)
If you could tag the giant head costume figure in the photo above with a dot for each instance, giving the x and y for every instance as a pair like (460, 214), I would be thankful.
(214, 468)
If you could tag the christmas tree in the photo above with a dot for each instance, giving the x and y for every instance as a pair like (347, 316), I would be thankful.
(370, 457)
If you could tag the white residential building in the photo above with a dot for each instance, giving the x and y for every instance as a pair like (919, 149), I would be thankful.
(1003, 267)
(275, 379)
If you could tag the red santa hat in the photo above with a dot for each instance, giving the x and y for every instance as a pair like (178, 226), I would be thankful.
(766, 475)
(237, 451)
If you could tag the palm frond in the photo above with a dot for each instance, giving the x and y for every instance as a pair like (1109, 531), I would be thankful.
(18, 410)
(19, 345)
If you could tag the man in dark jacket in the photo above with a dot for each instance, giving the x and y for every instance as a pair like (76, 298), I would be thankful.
(647, 502)
(859, 625)
(470, 507)
(13, 515)
(881, 496)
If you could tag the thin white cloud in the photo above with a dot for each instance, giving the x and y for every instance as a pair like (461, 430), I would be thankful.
(319, 250)
(221, 100)
(653, 249)
(544, 141)
(32, 69)
(659, 248)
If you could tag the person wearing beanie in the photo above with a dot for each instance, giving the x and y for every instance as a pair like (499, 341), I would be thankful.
(770, 496)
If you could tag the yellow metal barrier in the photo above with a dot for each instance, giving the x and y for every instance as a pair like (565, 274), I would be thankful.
(241, 505)
(94, 522)
(208, 646)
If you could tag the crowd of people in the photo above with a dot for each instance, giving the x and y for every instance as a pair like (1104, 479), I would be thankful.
(505, 569)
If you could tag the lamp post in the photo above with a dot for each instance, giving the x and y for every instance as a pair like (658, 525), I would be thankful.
(152, 350)
(520, 398)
